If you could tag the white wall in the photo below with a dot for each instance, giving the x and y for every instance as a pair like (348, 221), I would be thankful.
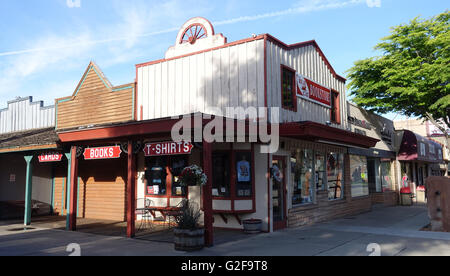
(24, 114)
(230, 76)
(307, 62)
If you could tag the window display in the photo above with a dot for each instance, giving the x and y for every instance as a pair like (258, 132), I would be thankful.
(243, 163)
(221, 175)
(320, 174)
(359, 176)
(386, 176)
(155, 176)
(302, 177)
(178, 164)
(162, 175)
(335, 176)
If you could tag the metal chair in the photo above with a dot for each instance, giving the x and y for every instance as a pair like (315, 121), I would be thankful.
(143, 209)
(176, 211)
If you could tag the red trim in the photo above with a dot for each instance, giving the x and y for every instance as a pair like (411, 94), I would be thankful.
(265, 74)
(315, 131)
(335, 96)
(195, 35)
(282, 224)
(294, 92)
(73, 190)
(131, 192)
(269, 194)
(203, 51)
(207, 192)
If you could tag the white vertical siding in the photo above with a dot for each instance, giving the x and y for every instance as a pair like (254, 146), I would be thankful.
(309, 63)
(228, 76)
(24, 114)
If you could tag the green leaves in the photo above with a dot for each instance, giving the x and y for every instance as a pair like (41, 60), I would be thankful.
(413, 74)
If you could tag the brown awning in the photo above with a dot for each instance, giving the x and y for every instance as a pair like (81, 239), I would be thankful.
(321, 133)
(29, 140)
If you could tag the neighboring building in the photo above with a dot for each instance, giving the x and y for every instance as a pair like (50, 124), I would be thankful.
(22, 114)
(379, 163)
(429, 130)
(26, 130)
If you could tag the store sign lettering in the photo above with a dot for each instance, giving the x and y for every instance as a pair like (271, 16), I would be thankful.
(50, 157)
(312, 91)
(168, 148)
(360, 123)
(102, 153)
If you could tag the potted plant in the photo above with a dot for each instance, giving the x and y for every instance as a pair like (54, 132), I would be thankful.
(193, 176)
(189, 236)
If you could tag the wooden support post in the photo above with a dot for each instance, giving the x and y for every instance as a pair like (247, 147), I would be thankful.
(28, 191)
(207, 195)
(72, 189)
(131, 192)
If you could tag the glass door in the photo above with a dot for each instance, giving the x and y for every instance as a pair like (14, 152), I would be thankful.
(279, 192)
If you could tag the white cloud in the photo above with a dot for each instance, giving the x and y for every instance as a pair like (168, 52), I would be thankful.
(73, 3)
(373, 3)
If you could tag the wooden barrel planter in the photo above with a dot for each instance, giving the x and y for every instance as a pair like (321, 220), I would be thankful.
(189, 240)
(252, 226)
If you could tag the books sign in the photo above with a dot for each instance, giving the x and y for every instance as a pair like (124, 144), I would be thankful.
(168, 148)
(312, 91)
(102, 153)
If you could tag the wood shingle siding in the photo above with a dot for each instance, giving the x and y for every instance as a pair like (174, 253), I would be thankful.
(95, 102)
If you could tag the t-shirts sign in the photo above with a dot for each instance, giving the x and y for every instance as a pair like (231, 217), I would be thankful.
(312, 91)
(168, 148)
(102, 153)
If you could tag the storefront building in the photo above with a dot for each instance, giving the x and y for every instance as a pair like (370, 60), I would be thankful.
(306, 180)
(419, 158)
(97, 180)
(29, 150)
(120, 147)
(378, 175)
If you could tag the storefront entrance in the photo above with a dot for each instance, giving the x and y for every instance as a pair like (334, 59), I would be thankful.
(279, 192)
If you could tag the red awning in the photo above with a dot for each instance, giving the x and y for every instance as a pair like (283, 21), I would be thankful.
(321, 133)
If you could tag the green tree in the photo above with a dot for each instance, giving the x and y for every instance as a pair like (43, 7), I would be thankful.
(412, 74)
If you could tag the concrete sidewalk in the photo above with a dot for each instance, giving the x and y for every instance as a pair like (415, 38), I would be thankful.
(396, 230)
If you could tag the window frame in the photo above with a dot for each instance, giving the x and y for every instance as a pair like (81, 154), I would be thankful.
(294, 92)
(169, 178)
(335, 97)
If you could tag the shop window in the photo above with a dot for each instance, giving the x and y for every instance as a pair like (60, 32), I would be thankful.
(358, 172)
(335, 176)
(374, 175)
(320, 173)
(423, 151)
(162, 175)
(288, 93)
(335, 107)
(243, 161)
(386, 176)
(302, 177)
(177, 166)
(221, 175)
(156, 176)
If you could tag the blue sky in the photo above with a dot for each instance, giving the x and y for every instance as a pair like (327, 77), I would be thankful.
(46, 45)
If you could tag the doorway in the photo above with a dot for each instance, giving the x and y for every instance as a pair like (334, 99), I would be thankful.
(279, 193)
